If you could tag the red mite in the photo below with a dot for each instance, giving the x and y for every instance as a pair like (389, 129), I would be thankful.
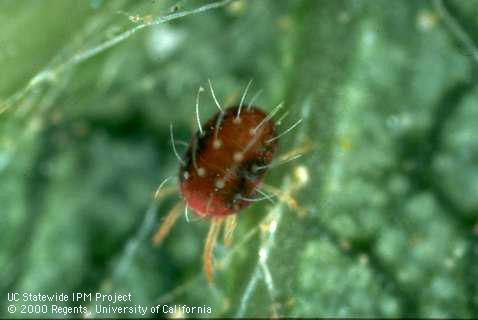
(222, 169)
(226, 161)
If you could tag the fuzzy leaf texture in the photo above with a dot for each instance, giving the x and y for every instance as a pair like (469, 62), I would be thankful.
(386, 216)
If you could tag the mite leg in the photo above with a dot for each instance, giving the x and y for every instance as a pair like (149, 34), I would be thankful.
(167, 224)
(209, 247)
(230, 226)
(285, 197)
(301, 178)
(295, 152)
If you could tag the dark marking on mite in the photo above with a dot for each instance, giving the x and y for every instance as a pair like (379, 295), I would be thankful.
(248, 178)
(201, 143)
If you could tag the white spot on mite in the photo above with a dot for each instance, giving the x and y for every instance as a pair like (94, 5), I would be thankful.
(237, 120)
(238, 156)
(219, 183)
(237, 197)
(201, 172)
(217, 144)
(186, 175)
(252, 132)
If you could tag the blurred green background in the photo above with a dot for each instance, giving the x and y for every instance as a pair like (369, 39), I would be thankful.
(388, 94)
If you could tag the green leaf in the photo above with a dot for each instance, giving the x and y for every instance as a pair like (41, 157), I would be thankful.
(384, 222)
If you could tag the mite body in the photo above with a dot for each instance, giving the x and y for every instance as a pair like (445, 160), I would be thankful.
(222, 169)
(226, 161)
